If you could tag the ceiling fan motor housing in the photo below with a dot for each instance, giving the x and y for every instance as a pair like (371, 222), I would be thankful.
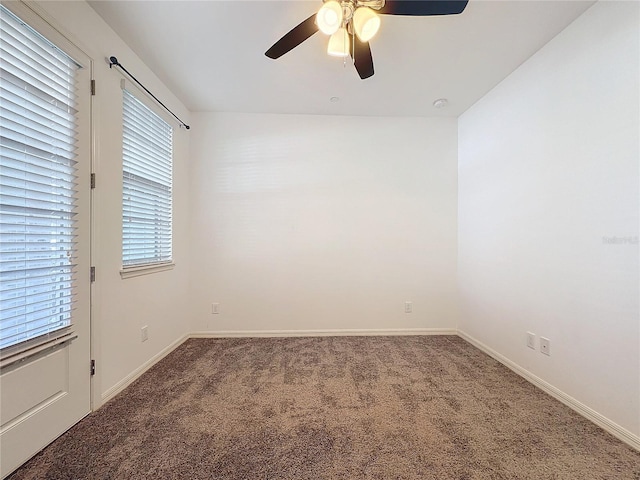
(374, 4)
(347, 11)
(350, 6)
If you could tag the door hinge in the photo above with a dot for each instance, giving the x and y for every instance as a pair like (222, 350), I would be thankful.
(93, 367)
(93, 87)
(93, 274)
(93, 180)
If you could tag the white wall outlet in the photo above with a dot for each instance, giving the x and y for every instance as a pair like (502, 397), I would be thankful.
(545, 346)
(531, 340)
(408, 307)
(144, 333)
(215, 308)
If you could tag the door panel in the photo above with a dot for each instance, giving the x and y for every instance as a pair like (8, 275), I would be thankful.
(21, 399)
(45, 394)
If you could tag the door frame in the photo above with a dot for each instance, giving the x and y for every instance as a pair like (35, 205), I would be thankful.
(37, 18)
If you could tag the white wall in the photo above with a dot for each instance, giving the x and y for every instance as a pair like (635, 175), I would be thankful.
(297, 225)
(121, 307)
(548, 168)
(322, 223)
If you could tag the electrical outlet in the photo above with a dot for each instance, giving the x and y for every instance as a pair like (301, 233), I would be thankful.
(531, 340)
(408, 307)
(215, 308)
(144, 333)
(545, 346)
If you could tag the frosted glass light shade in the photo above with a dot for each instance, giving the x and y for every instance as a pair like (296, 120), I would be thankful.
(329, 17)
(366, 23)
(339, 44)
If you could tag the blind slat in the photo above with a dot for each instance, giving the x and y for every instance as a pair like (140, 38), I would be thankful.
(147, 185)
(37, 184)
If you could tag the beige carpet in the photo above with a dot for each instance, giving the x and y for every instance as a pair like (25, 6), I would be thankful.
(333, 408)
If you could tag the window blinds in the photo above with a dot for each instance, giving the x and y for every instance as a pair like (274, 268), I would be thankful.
(37, 178)
(147, 184)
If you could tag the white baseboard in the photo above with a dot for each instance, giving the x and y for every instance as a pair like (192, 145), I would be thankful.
(129, 379)
(326, 333)
(603, 422)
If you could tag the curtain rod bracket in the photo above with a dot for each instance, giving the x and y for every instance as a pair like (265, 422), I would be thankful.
(113, 61)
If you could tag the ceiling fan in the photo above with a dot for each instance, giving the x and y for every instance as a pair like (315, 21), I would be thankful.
(352, 23)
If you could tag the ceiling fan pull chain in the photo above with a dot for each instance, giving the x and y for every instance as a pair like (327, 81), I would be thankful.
(346, 39)
(353, 48)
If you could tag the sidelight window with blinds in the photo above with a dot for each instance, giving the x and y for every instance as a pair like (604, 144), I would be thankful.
(147, 186)
(38, 133)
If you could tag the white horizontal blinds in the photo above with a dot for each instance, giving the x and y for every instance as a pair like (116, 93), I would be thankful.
(147, 183)
(37, 184)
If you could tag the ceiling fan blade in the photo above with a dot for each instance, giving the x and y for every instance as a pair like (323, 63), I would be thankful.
(294, 38)
(423, 7)
(362, 58)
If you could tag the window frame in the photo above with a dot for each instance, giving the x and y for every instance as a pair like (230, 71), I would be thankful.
(130, 271)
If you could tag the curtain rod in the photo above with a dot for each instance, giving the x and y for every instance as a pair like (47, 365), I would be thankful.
(114, 62)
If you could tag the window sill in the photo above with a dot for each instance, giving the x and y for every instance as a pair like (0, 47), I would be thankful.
(130, 272)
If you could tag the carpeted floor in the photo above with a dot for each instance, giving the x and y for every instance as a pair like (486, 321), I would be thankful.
(333, 408)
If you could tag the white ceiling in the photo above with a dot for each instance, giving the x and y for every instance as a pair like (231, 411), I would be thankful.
(211, 54)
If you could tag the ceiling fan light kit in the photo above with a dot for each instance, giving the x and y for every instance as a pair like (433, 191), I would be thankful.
(366, 23)
(329, 18)
(354, 16)
(339, 45)
(351, 24)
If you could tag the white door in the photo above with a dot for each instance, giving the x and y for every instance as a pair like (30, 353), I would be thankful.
(45, 235)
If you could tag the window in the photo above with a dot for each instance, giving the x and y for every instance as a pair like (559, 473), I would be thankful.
(147, 183)
(38, 135)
